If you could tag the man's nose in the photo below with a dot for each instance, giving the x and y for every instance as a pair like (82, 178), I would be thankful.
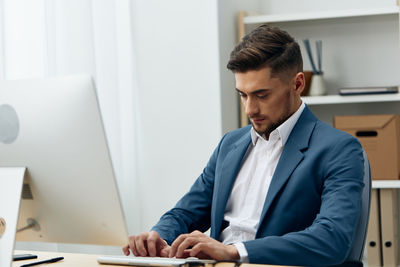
(251, 107)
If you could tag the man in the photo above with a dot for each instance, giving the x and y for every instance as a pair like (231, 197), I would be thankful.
(285, 190)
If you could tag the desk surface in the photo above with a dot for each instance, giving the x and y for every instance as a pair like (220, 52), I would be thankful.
(70, 259)
(78, 260)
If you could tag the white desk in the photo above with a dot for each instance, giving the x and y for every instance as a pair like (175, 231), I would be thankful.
(83, 260)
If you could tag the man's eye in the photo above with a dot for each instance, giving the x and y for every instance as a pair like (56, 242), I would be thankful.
(242, 95)
(262, 96)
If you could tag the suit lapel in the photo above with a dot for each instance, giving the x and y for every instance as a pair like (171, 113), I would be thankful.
(291, 157)
(230, 169)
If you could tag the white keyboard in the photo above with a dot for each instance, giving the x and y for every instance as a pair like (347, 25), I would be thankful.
(149, 261)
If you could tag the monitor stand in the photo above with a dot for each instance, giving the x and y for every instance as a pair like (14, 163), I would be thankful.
(11, 182)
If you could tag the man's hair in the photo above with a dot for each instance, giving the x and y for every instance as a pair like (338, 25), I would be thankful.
(267, 47)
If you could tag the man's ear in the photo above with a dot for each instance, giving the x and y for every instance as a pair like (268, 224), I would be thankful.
(299, 83)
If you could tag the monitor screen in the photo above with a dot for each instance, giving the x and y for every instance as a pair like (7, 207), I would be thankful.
(53, 127)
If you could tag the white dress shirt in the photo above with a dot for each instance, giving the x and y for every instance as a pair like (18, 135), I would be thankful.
(245, 203)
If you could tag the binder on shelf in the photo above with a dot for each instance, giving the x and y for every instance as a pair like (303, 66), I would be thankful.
(374, 248)
(389, 226)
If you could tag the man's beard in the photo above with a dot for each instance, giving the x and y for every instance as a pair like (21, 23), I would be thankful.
(274, 125)
(269, 129)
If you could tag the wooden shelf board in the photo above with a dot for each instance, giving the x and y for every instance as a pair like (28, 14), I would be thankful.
(386, 184)
(338, 99)
(320, 15)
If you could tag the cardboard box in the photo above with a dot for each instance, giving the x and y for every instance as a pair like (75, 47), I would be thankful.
(379, 136)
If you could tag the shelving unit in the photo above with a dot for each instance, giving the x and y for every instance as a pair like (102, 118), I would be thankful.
(338, 99)
(385, 184)
(320, 15)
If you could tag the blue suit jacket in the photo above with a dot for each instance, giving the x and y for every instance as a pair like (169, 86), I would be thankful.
(312, 207)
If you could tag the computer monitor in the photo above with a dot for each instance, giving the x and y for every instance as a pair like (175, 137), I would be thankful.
(53, 127)
(11, 181)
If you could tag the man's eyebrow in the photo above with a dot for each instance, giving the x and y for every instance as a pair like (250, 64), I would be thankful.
(256, 92)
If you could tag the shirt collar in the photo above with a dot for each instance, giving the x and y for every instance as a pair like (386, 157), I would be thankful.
(283, 131)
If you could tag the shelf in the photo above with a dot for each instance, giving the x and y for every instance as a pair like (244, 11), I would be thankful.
(338, 99)
(320, 15)
(386, 184)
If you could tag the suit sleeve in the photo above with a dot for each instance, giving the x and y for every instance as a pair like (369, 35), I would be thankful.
(193, 210)
(329, 239)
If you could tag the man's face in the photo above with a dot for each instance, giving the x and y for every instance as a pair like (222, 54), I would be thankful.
(268, 101)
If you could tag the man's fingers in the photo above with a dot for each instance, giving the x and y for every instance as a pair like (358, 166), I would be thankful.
(165, 251)
(134, 249)
(155, 244)
(140, 245)
(162, 248)
(200, 251)
(146, 244)
(213, 249)
(131, 246)
(151, 245)
(188, 242)
(125, 249)
(176, 244)
(174, 247)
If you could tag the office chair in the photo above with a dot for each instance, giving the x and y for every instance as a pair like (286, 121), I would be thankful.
(356, 253)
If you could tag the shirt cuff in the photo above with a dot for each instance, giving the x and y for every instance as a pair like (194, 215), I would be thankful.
(244, 256)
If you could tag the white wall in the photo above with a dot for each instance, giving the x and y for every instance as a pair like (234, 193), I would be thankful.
(178, 80)
(227, 25)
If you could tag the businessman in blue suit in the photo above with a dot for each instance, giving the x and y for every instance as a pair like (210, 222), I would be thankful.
(284, 190)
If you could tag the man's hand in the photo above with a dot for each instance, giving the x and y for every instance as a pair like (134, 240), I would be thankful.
(197, 244)
(147, 244)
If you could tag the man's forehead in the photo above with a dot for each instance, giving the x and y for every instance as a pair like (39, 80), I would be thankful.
(255, 80)
(264, 71)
